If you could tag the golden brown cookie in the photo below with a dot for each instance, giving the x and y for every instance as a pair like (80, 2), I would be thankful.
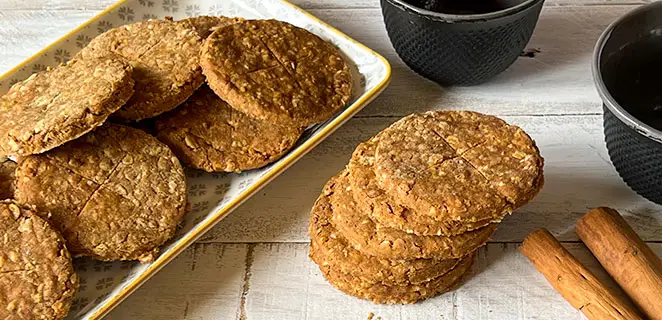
(206, 133)
(165, 56)
(329, 248)
(391, 294)
(276, 72)
(384, 242)
(7, 169)
(37, 278)
(58, 105)
(116, 193)
(457, 165)
(205, 25)
(384, 211)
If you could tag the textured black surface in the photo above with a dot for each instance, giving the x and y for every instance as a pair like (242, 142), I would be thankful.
(458, 53)
(637, 159)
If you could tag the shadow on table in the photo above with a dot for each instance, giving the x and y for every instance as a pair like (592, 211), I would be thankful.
(566, 198)
(556, 43)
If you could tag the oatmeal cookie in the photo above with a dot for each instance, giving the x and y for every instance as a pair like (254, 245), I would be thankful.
(117, 193)
(206, 133)
(384, 211)
(166, 58)
(61, 104)
(329, 248)
(402, 294)
(37, 278)
(457, 165)
(384, 242)
(276, 72)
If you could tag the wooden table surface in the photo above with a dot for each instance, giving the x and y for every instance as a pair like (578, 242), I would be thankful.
(254, 264)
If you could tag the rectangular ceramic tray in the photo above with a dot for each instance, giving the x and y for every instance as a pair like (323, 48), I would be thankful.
(212, 196)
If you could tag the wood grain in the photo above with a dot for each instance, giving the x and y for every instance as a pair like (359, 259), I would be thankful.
(285, 284)
(204, 282)
(25, 32)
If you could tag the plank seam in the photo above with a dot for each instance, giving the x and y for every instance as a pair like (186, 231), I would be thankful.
(247, 278)
(551, 5)
(454, 302)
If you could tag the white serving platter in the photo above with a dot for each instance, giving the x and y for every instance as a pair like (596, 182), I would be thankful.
(212, 196)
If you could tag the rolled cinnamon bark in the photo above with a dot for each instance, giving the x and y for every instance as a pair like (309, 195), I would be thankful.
(626, 258)
(573, 280)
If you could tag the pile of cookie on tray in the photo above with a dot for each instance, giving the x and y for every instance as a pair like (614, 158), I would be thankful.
(98, 141)
(403, 220)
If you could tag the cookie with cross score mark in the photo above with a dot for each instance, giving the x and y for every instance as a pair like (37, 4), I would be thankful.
(117, 193)
(37, 278)
(165, 55)
(459, 166)
(276, 72)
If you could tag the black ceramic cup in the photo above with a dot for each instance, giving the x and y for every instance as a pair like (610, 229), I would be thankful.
(460, 49)
(627, 66)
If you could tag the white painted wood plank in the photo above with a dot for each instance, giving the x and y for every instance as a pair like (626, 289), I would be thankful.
(556, 81)
(39, 5)
(506, 286)
(376, 3)
(285, 284)
(327, 4)
(204, 282)
(578, 176)
(24, 33)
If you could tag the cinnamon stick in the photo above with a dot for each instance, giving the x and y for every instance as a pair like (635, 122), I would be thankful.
(573, 280)
(626, 258)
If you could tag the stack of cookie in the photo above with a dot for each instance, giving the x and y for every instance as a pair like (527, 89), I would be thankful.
(402, 222)
(115, 192)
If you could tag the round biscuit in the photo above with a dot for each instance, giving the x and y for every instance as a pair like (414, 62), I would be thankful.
(37, 278)
(400, 294)
(458, 166)
(165, 55)
(116, 193)
(387, 212)
(276, 72)
(61, 104)
(206, 133)
(384, 242)
(329, 248)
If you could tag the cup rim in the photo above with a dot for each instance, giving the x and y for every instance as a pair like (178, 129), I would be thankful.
(401, 4)
(608, 100)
